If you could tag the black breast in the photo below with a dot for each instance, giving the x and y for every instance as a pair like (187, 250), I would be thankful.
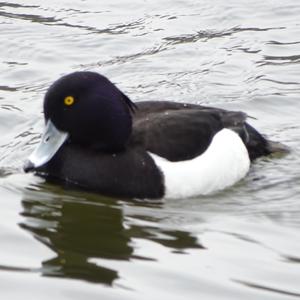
(130, 174)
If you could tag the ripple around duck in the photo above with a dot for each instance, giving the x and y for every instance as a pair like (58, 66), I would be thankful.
(269, 289)
(206, 35)
(241, 243)
(29, 17)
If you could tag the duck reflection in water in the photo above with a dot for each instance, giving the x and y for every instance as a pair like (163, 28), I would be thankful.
(78, 229)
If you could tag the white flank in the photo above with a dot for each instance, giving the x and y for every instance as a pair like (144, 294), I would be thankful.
(224, 162)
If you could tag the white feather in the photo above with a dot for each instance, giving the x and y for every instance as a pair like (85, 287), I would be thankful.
(224, 162)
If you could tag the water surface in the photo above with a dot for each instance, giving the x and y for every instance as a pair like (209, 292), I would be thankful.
(242, 243)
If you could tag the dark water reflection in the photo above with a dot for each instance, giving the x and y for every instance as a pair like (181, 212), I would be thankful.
(78, 230)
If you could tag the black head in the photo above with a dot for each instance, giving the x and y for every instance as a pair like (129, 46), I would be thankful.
(91, 109)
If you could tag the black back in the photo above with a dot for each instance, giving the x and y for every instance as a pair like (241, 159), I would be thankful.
(180, 131)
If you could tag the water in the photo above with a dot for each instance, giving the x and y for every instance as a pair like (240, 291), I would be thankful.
(242, 243)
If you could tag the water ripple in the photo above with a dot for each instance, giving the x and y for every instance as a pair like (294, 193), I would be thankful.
(240, 243)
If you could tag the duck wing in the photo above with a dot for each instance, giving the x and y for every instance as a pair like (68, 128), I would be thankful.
(178, 131)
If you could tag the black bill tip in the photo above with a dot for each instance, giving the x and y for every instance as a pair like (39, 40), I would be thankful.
(28, 166)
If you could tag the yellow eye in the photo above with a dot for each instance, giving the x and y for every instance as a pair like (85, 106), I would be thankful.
(69, 100)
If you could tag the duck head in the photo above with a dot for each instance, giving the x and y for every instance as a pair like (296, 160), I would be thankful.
(83, 108)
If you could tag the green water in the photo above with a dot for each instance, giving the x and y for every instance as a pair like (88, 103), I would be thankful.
(242, 243)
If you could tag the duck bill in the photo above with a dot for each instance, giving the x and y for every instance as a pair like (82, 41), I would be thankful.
(51, 140)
